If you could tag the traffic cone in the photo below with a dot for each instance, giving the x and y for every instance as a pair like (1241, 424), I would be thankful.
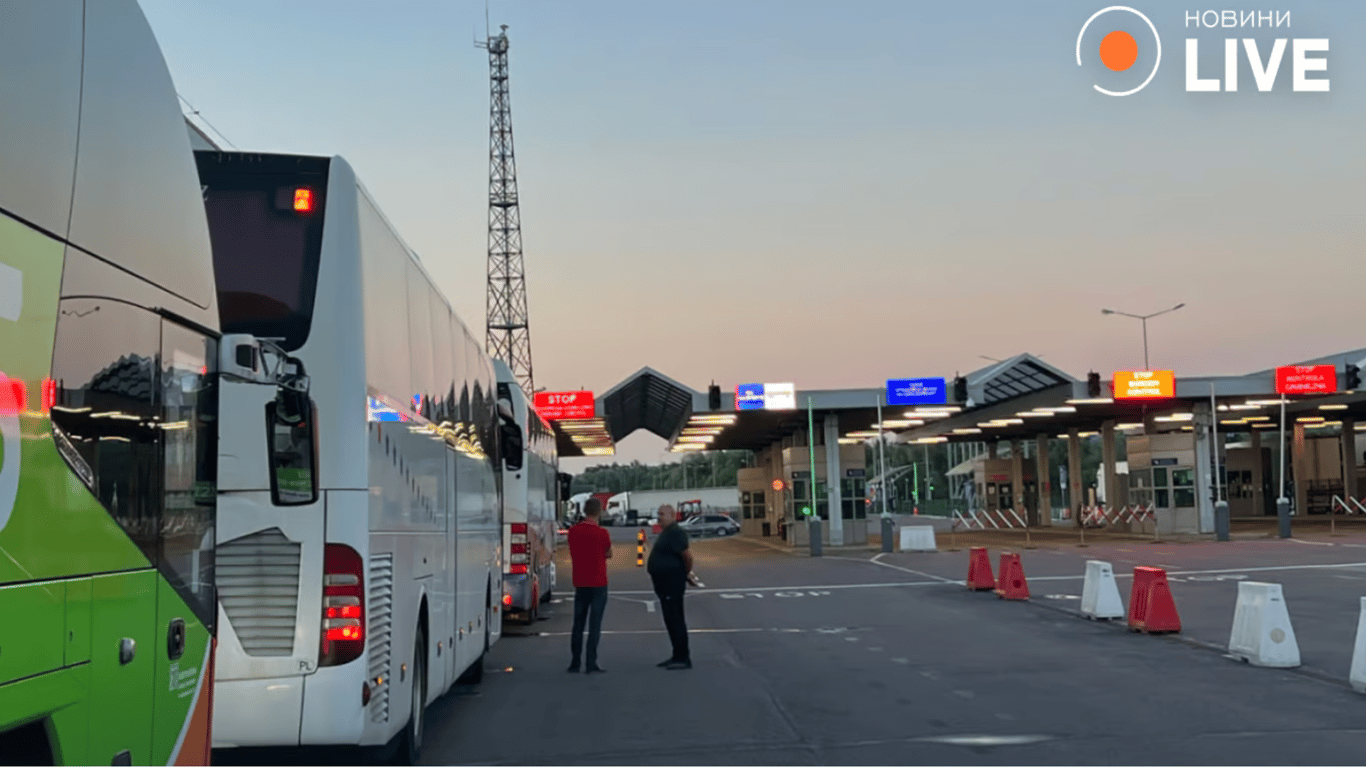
(1152, 608)
(979, 570)
(1012, 585)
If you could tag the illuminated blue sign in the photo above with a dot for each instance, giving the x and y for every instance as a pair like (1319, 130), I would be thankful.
(749, 397)
(916, 392)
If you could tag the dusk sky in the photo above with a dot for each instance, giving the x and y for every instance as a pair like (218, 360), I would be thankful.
(830, 193)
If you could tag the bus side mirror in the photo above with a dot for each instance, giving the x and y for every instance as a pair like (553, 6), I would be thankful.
(512, 446)
(292, 432)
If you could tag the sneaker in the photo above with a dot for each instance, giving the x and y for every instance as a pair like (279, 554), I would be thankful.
(665, 662)
(573, 667)
(594, 668)
(679, 665)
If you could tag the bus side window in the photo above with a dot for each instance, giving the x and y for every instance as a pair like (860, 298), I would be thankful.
(189, 404)
(106, 417)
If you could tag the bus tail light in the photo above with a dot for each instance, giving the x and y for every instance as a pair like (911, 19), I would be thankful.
(343, 619)
(518, 549)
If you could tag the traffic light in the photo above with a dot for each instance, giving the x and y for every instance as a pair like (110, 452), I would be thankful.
(1353, 377)
(806, 511)
(1093, 384)
(960, 389)
(714, 397)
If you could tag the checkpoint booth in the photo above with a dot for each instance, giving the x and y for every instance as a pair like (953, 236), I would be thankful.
(853, 510)
(1162, 473)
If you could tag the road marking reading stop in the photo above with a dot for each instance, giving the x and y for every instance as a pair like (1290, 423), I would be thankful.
(791, 593)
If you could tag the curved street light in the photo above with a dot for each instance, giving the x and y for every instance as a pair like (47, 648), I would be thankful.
(1143, 318)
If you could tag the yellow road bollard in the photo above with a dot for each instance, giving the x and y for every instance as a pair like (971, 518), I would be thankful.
(640, 548)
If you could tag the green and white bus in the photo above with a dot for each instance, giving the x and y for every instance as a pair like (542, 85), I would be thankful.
(110, 357)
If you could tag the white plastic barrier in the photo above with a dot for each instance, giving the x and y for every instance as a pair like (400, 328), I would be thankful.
(1262, 635)
(918, 538)
(1358, 675)
(1100, 593)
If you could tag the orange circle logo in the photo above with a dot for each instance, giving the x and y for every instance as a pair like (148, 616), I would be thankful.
(1119, 50)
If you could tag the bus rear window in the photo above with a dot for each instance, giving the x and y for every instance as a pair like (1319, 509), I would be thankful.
(265, 217)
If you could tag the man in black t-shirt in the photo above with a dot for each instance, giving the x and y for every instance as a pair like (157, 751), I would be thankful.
(670, 568)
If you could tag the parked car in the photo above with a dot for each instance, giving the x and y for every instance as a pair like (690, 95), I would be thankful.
(721, 525)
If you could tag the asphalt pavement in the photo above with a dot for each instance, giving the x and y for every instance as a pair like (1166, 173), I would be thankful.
(1322, 578)
(847, 660)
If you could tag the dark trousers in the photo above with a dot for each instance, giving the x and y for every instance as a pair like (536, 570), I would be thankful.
(670, 591)
(589, 603)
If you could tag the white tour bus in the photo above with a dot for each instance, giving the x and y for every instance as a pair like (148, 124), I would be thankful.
(531, 498)
(358, 575)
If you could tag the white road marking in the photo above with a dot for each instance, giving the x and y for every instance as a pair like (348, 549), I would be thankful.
(694, 631)
(943, 581)
(733, 590)
(789, 593)
(1315, 543)
(984, 740)
(11, 293)
(901, 661)
(649, 604)
(876, 561)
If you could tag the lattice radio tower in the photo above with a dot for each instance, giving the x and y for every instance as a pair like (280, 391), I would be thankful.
(509, 329)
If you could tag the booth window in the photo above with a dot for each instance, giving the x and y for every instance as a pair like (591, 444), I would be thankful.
(1183, 486)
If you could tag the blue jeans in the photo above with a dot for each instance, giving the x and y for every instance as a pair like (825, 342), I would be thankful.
(589, 603)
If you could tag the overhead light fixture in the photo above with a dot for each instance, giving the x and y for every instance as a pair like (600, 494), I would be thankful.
(1091, 401)
(1130, 425)
(1333, 407)
(967, 431)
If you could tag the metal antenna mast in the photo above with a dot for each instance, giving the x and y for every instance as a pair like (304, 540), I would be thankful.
(509, 331)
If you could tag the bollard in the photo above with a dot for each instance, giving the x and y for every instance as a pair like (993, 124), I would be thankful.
(1221, 522)
(1283, 513)
(887, 533)
(813, 529)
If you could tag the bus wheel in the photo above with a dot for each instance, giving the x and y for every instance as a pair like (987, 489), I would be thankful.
(413, 733)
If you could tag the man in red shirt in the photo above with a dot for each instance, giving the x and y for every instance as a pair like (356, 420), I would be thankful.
(590, 545)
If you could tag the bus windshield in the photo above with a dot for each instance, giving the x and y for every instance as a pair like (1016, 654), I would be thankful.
(266, 223)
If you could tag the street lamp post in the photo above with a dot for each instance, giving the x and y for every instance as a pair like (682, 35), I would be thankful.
(1144, 319)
